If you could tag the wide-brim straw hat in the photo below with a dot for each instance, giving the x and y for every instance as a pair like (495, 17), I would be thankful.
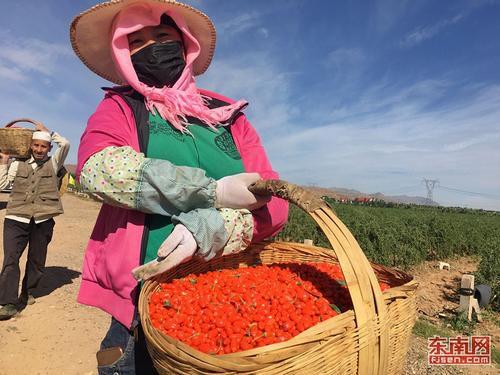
(90, 35)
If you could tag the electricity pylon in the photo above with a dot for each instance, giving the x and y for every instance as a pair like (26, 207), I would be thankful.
(430, 184)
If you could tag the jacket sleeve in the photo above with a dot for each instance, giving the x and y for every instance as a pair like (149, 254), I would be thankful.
(8, 174)
(271, 218)
(61, 153)
(111, 166)
(4, 180)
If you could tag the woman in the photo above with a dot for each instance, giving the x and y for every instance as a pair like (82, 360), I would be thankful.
(172, 162)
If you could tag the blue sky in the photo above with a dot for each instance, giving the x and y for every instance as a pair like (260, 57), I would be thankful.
(369, 95)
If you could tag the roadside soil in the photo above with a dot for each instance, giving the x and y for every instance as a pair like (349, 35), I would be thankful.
(56, 335)
(437, 302)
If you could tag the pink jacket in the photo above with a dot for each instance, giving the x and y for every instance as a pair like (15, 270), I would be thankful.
(114, 246)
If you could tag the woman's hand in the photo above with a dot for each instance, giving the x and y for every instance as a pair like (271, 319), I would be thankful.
(179, 241)
(232, 192)
(178, 248)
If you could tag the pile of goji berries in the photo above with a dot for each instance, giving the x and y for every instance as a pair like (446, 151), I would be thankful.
(231, 310)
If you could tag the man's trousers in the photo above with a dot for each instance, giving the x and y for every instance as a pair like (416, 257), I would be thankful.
(16, 235)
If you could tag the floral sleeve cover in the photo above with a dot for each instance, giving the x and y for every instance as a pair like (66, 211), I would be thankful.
(123, 177)
(239, 227)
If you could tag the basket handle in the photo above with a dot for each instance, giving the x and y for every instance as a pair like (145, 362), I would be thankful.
(34, 122)
(367, 299)
(295, 194)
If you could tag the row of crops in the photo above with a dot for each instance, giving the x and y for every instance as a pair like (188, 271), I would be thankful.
(403, 236)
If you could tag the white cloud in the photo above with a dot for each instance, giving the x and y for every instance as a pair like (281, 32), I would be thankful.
(238, 24)
(421, 34)
(391, 100)
(344, 69)
(388, 12)
(345, 56)
(13, 73)
(264, 32)
(257, 78)
(25, 55)
(472, 141)
(400, 142)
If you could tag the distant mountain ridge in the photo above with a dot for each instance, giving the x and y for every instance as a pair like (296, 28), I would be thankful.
(339, 193)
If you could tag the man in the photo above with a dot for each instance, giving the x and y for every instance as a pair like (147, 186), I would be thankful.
(34, 201)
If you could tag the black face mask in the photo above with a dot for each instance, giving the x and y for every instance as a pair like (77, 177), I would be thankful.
(159, 64)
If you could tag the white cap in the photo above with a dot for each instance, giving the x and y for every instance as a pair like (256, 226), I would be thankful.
(43, 136)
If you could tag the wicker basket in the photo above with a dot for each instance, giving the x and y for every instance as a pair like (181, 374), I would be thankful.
(16, 141)
(372, 338)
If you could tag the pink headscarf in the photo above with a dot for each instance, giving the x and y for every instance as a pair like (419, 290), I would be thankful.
(173, 104)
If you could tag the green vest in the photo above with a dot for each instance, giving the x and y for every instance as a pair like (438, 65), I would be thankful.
(213, 151)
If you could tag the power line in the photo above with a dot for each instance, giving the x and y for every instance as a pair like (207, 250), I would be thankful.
(432, 184)
(494, 196)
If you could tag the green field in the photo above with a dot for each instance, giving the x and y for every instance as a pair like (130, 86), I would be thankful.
(405, 235)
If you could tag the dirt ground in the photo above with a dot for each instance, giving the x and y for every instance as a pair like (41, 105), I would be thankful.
(56, 335)
(437, 301)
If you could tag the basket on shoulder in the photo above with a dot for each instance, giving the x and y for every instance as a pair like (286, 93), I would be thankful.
(15, 140)
(281, 307)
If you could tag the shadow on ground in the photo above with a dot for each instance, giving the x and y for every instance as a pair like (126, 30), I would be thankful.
(3, 205)
(451, 290)
(54, 278)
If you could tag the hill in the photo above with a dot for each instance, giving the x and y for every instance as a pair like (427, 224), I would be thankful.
(351, 194)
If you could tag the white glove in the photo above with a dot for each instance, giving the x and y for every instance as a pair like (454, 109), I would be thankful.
(179, 245)
(232, 192)
(178, 248)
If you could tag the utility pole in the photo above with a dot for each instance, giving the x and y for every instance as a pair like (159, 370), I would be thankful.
(430, 184)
